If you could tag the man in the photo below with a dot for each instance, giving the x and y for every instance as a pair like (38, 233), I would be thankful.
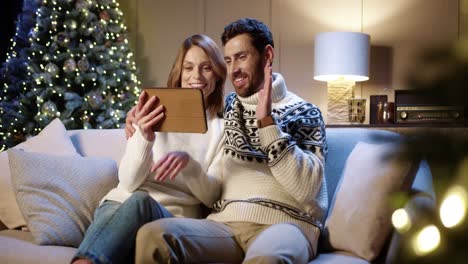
(274, 196)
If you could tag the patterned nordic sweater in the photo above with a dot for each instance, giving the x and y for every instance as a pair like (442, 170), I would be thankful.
(274, 174)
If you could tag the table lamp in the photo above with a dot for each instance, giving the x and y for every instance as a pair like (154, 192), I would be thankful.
(341, 60)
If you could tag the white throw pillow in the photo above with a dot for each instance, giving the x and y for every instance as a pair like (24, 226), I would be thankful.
(359, 220)
(52, 139)
(58, 194)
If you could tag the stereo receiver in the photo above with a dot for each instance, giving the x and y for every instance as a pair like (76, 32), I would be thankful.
(415, 106)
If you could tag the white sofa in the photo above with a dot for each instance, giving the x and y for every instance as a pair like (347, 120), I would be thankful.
(17, 246)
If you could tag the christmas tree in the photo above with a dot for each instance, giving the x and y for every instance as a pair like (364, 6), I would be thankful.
(76, 65)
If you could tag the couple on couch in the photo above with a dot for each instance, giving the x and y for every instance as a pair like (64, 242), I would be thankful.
(260, 168)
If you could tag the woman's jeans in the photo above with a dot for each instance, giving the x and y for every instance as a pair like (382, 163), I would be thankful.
(111, 236)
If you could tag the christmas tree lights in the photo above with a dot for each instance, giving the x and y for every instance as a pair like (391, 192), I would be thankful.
(70, 59)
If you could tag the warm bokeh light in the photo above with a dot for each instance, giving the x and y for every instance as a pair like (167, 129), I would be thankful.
(401, 220)
(453, 208)
(426, 240)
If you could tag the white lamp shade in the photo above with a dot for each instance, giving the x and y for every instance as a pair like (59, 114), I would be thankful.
(341, 55)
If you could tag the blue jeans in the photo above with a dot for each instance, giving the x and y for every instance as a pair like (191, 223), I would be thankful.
(111, 236)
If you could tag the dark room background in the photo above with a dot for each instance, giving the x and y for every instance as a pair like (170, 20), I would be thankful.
(8, 13)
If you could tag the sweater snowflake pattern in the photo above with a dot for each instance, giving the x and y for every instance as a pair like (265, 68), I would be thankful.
(273, 174)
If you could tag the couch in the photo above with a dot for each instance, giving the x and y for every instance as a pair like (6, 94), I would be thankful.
(17, 245)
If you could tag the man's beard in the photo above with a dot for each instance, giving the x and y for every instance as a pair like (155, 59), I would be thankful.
(256, 83)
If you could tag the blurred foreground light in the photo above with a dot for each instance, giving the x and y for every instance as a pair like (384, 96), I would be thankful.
(401, 220)
(453, 208)
(426, 240)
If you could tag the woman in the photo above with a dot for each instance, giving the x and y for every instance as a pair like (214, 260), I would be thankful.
(162, 174)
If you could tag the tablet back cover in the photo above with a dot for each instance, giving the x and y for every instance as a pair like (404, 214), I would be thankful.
(185, 110)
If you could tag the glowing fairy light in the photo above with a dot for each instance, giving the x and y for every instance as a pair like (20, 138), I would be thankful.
(426, 240)
(401, 220)
(453, 208)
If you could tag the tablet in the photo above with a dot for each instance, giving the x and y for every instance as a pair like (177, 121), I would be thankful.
(184, 110)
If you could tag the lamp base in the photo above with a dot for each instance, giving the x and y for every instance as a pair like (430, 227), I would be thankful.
(339, 91)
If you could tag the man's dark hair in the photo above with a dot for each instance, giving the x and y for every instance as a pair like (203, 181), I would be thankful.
(259, 33)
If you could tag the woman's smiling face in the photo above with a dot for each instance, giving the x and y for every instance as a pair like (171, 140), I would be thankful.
(197, 71)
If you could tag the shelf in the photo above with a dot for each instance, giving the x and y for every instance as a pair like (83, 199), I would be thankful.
(393, 125)
(412, 129)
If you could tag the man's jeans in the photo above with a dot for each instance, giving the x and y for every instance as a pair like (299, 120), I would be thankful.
(111, 236)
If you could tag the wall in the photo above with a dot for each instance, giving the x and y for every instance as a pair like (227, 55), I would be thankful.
(464, 18)
(399, 30)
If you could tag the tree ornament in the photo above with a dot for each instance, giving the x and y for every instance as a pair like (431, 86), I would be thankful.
(88, 44)
(104, 15)
(89, 31)
(63, 39)
(16, 102)
(69, 65)
(95, 99)
(43, 11)
(52, 69)
(110, 112)
(53, 47)
(46, 57)
(120, 38)
(100, 70)
(32, 33)
(123, 96)
(98, 29)
(81, 4)
(79, 80)
(82, 47)
(109, 98)
(49, 108)
(83, 64)
(108, 44)
(121, 114)
(70, 23)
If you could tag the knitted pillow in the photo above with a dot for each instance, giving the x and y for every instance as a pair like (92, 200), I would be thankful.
(359, 219)
(52, 139)
(58, 194)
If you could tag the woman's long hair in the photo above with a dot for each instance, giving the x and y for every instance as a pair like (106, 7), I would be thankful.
(216, 98)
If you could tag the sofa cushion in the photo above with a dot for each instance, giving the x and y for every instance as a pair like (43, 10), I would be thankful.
(99, 142)
(52, 139)
(58, 194)
(338, 257)
(341, 141)
(17, 247)
(359, 217)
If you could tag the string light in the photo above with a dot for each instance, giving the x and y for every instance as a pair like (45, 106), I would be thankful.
(426, 240)
(453, 207)
(401, 220)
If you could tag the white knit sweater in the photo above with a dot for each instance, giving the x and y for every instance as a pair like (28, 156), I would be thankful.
(274, 174)
(196, 183)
